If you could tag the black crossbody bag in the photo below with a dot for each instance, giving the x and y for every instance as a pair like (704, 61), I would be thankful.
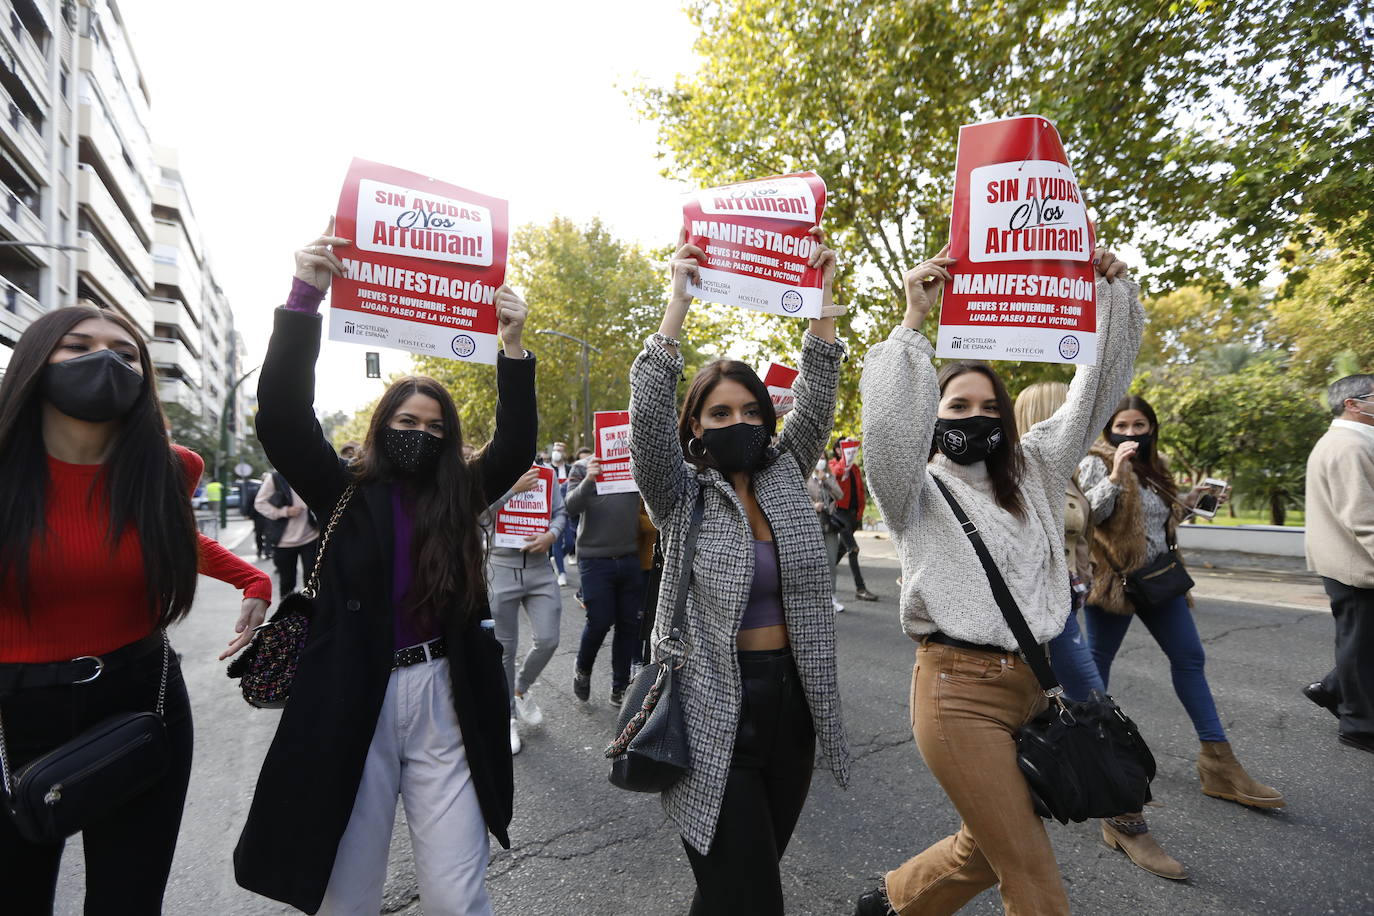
(650, 752)
(58, 793)
(1080, 759)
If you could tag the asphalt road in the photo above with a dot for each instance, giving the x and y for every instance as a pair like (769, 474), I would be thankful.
(583, 847)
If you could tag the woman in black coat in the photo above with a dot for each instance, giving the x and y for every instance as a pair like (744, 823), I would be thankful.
(400, 688)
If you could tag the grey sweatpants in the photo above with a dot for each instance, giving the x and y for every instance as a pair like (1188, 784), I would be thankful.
(537, 588)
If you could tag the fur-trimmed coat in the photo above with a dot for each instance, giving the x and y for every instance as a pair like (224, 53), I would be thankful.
(1119, 543)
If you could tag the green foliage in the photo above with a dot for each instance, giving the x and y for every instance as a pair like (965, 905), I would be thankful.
(190, 430)
(1249, 420)
(1325, 310)
(581, 281)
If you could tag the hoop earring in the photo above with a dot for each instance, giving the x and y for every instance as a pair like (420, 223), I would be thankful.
(695, 441)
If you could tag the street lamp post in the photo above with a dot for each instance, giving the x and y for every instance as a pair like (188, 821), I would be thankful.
(586, 380)
(222, 460)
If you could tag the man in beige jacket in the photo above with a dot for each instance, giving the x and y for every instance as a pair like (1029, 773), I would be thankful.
(1340, 549)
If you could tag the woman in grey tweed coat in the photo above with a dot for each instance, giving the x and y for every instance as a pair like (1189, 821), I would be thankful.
(758, 684)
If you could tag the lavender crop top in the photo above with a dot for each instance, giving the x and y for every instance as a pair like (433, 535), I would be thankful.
(765, 592)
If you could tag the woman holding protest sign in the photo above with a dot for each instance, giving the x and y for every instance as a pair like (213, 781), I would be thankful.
(1136, 511)
(970, 688)
(758, 681)
(400, 689)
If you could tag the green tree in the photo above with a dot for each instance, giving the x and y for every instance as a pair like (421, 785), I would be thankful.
(190, 430)
(584, 282)
(1325, 309)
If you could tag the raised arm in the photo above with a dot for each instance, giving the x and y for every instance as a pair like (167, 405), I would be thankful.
(808, 426)
(1063, 439)
(900, 399)
(1099, 487)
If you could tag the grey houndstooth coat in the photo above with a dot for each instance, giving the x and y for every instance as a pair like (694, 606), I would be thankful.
(724, 569)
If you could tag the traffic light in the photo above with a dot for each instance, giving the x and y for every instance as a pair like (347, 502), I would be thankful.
(374, 365)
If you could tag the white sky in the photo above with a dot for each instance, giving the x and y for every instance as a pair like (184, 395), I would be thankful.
(267, 102)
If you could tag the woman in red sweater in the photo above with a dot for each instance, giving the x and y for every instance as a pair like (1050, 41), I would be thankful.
(98, 554)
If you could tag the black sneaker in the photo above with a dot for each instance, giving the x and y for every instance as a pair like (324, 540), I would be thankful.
(874, 903)
(582, 684)
(864, 594)
(1322, 697)
(617, 696)
(1363, 742)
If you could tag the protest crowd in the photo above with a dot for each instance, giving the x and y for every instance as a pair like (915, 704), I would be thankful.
(708, 525)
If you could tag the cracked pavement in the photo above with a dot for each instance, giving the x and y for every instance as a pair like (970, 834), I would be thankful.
(584, 847)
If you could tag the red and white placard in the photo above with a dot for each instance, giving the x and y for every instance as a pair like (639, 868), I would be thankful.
(525, 514)
(779, 379)
(612, 429)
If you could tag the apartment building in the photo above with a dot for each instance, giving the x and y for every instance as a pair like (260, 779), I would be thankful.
(92, 210)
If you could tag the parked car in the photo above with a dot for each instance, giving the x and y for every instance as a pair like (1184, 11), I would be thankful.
(199, 502)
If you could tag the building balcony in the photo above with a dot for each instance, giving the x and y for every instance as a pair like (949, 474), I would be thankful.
(20, 134)
(174, 356)
(99, 270)
(19, 44)
(17, 309)
(174, 390)
(174, 313)
(100, 205)
(21, 224)
(127, 188)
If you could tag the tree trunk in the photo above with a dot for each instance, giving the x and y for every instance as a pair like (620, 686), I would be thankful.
(1276, 508)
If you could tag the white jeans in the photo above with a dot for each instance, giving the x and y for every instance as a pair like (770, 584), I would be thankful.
(417, 751)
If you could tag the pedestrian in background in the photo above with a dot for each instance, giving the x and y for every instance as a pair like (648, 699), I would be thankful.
(248, 509)
(758, 684)
(1070, 657)
(400, 689)
(564, 545)
(849, 510)
(292, 528)
(1340, 549)
(1135, 513)
(98, 555)
(824, 490)
(612, 583)
(971, 689)
(522, 577)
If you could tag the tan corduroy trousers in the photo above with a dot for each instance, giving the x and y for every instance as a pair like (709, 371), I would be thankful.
(965, 706)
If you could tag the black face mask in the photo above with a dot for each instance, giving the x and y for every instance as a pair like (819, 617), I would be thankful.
(413, 451)
(968, 440)
(738, 447)
(97, 387)
(1146, 440)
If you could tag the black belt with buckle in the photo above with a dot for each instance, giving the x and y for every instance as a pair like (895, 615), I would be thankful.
(25, 675)
(414, 655)
(945, 639)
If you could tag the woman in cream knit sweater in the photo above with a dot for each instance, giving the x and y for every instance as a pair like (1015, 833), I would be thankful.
(970, 688)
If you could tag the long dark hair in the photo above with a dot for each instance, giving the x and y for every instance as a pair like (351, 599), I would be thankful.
(705, 381)
(1151, 470)
(450, 561)
(1005, 466)
(143, 478)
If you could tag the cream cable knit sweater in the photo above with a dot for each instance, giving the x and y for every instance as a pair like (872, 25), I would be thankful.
(943, 584)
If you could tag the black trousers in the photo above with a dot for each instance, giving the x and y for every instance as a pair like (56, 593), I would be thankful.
(848, 545)
(770, 775)
(1352, 680)
(128, 851)
(286, 558)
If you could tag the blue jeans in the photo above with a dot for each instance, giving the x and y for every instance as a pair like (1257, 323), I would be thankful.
(613, 589)
(1171, 624)
(1072, 662)
(563, 545)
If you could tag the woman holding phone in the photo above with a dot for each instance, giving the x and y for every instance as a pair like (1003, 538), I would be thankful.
(1136, 510)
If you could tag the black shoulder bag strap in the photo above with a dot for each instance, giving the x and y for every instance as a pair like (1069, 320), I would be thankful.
(1034, 654)
(689, 552)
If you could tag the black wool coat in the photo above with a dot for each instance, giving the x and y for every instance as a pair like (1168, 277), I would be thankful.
(310, 777)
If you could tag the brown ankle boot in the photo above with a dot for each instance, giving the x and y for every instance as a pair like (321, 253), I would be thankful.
(1223, 777)
(1130, 834)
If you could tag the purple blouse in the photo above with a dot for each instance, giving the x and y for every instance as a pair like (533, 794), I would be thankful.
(765, 592)
(404, 627)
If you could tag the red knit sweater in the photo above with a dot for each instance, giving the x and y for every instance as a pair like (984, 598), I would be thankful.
(86, 598)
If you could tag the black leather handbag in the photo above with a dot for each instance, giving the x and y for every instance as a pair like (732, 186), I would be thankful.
(651, 753)
(1162, 580)
(266, 668)
(58, 793)
(1080, 759)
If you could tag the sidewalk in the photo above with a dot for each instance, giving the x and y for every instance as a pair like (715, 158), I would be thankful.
(232, 535)
(1220, 576)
